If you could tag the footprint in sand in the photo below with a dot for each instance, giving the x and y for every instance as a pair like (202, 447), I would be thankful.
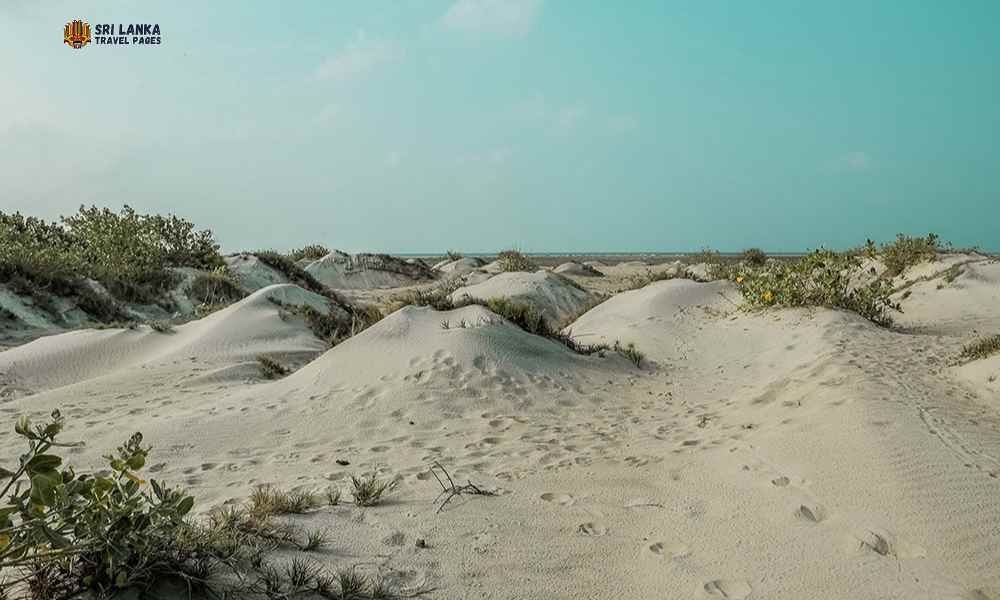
(560, 499)
(780, 481)
(813, 513)
(592, 529)
(674, 551)
(728, 588)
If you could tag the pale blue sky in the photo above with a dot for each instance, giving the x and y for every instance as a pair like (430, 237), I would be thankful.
(550, 125)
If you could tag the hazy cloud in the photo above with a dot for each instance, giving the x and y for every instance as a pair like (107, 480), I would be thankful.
(493, 17)
(856, 161)
(358, 57)
(569, 117)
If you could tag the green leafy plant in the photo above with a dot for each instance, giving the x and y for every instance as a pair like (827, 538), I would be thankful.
(754, 257)
(65, 532)
(907, 251)
(821, 278)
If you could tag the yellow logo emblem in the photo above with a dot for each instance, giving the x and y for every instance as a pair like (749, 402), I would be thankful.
(77, 33)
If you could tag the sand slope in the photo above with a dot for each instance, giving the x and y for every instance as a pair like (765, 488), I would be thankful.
(554, 296)
(230, 336)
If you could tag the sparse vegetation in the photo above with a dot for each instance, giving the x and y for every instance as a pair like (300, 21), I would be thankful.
(295, 273)
(907, 251)
(215, 288)
(271, 368)
(630, 352)
(333, 496)
(512, 260)
(310, 252)
(452, 255)
(981, 348)
(368, 490)
(821, 278)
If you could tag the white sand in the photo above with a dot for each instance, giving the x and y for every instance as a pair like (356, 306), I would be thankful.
(555, 297)
(786, 454)
(341, 271)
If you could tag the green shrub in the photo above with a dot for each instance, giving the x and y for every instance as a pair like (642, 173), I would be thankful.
(310, 252)
(216, 287)
(821, 278)
(129, 253)
(512, 260)
(754, 257)
(64, 532)
(907, 251)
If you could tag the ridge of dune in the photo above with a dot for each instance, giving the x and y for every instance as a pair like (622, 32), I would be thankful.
(554, 296)
(234, 334)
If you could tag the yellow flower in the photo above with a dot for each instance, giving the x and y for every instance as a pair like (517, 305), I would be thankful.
(768, 296)
(739, 279)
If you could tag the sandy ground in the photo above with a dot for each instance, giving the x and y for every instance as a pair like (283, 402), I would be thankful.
(786, 454)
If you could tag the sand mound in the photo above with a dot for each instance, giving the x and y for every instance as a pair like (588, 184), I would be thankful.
(236, 334)
(554, 296)
(952, 297)
(652, 316)
(341, 271)
(252, 273)
(577, 269)
(459, 266)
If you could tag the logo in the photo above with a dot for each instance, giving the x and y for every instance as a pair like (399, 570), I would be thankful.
(76, 33)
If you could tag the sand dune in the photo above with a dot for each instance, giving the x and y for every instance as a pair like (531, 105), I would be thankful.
(554, 296)
(236, 334)
(780, 454)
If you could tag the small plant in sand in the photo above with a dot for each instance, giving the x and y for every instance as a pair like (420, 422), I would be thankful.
(333, 496)
(907, 251)
(450, 489)
(271, 368)
(754, 257)
(369, 489)
(452, 255)
(217, 287)
(982, 348)
(512, 260)
(161, 326)
(630, 352)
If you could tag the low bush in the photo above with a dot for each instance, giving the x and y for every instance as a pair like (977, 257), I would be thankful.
(754, 257)
(512, 260)
(982, 348)
(216, 287)
(630, 352)
(271, 368)
(907, 251)
(310, 252)
(821, 278)
(129, 253)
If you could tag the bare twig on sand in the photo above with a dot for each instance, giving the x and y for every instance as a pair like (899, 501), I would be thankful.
(451, 489)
